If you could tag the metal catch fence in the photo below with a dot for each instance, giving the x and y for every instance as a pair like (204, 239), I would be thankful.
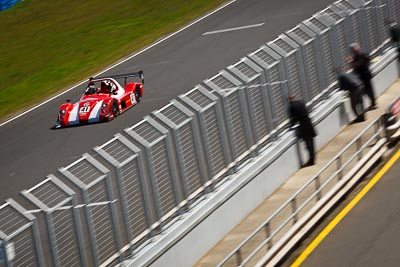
(107, 205)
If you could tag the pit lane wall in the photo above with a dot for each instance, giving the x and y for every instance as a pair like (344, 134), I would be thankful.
(201, 228)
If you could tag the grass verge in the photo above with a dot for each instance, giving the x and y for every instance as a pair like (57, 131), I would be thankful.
(48, 45)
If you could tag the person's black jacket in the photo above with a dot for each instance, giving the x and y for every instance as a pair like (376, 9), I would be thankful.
(360, 65)
(394, 31)
(349, 82)
(298, 113)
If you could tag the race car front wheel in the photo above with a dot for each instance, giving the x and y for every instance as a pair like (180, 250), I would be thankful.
(115, 109)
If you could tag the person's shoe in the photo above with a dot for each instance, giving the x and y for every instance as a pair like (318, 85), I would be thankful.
(359, 119)
(308, 164)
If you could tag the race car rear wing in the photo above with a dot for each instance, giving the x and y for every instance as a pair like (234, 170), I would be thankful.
(122, 76)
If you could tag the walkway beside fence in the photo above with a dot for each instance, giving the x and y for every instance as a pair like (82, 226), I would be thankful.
(271, 204)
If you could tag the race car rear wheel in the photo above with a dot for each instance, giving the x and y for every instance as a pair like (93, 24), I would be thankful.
(115, 109)
(138, 95)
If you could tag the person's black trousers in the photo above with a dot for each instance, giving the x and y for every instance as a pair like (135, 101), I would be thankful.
(357, 104)
(311, 150)
(369, 91)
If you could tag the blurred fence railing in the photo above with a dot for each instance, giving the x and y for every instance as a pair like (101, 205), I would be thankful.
(255, 246)
(107, 205)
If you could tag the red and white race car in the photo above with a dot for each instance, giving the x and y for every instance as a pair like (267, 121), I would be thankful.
(103, 100)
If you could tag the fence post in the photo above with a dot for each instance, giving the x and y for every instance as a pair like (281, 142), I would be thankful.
(238, 257)
(339, 167)
(294, 210)
(317, 187)
(267, 228)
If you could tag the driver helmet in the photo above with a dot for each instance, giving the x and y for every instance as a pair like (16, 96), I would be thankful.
(91, 89)
(111, 86)
(108, 86)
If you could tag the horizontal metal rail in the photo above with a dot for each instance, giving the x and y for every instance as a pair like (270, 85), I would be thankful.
(317, 193)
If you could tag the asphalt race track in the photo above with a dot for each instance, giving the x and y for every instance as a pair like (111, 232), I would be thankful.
(30, 149)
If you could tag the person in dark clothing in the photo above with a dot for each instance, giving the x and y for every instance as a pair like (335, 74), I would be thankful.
(298, 113)
(360, 62)
(394, 32)
(351, 83)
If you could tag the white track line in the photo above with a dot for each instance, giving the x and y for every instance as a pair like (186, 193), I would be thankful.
(120, 62)
(235, 29)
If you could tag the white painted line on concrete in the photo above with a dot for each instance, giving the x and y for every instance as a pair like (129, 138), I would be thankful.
(235, 29)
(119, 63)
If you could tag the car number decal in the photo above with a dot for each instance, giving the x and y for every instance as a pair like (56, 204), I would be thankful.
(84, 109)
